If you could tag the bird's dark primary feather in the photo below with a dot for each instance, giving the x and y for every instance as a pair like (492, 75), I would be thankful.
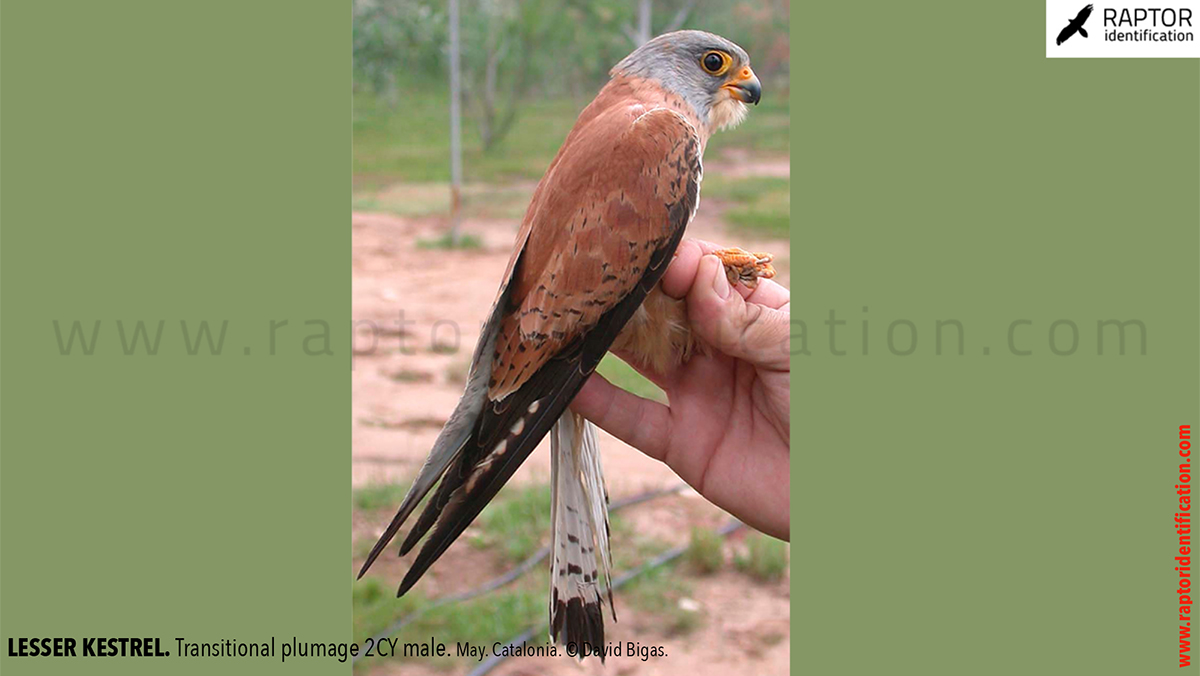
(457, 431)
(469, 486)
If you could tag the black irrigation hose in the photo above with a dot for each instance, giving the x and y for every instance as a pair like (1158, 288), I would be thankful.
(515, 573)
(662, 559)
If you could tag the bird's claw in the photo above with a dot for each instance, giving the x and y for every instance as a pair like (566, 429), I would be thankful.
(745, 267)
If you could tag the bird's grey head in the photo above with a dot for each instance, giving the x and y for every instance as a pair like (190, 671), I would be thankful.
(708, 71)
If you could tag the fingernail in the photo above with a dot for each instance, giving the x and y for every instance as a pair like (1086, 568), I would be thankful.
(720, 283)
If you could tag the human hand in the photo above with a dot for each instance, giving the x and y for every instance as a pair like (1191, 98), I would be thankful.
(726, 428)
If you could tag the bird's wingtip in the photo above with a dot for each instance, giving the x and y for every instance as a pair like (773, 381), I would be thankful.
(375, 552)
(405, 586)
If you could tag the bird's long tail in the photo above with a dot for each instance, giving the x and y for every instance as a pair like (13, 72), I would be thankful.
(579, 518)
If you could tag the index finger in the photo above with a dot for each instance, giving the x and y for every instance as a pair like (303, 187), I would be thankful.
(681, 273)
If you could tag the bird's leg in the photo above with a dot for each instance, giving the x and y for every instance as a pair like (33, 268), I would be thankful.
(745, 267)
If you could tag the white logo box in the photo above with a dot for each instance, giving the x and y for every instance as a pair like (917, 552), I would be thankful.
(1166, 29)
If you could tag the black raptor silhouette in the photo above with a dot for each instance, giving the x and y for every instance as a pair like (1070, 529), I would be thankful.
(1075, 26)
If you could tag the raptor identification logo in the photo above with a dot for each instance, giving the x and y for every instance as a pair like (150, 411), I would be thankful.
(1076, 29)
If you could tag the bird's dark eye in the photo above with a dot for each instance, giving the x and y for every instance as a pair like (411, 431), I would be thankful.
(715, 63)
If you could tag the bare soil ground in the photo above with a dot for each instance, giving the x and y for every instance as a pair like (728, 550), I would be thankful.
(417, 314)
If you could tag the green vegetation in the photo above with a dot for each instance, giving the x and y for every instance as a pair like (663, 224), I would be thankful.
(744, 189)
(402, 159)
(426, 422)
(766, 559)
(515, 525)
(627, 378)
(705, 552)
(484, 620)
(443, 348)
(465, 241)
(406, 376)
(769, 215)
(378, 496)
(517, 55)
(660, 591)
(376, 606)
(479, 200)
(411, 142)
(516, 522)
(759, 204)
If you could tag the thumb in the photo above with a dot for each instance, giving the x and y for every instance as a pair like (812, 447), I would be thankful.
(723, 319)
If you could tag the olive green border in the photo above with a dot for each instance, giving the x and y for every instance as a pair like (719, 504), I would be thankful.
(990, 512)
(175, 162)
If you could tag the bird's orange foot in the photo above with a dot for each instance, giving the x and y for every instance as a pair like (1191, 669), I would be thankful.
(745, 267)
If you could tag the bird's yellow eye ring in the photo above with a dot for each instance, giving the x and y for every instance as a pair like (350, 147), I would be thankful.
(714, 62)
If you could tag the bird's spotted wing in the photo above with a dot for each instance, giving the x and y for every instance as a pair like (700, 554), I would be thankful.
(608, 213)
(599, 234)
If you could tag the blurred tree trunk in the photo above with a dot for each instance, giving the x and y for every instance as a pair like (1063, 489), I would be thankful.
(681, 15)
(645, 30)
(496, 117)
(487, 102)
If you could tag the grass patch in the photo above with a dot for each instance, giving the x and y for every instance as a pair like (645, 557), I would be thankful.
(759, 204)
(766, 559)
(627, 378)
(403, 376)
(482, 620)
(705, 551)
(466, 241)
(410, 142)
(375, 606)
(405, 199)
(744, 189)
(516, 522)
(479, 200)
(770, 216)
(629, 547)
(378, 496)
(361, 547)
(409, 424)
(659, 591)
(443, 348)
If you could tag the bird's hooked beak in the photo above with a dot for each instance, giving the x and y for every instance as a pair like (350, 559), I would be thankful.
(744, 86)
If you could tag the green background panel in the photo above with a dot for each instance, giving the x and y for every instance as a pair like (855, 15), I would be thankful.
(175, 162)
(955, 514)
(987, 513)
